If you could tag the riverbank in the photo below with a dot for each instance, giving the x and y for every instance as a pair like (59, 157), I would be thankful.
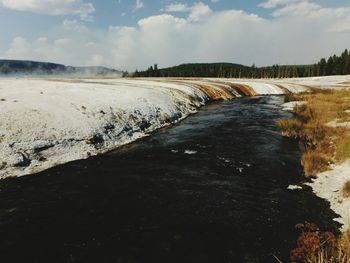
(47, 122)
(321, 124)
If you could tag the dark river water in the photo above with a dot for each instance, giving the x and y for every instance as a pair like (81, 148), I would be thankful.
(210, 189)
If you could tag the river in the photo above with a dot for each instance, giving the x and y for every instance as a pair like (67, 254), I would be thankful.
(212, 188)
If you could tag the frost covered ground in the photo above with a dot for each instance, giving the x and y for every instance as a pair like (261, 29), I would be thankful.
(46, 122)
(328, 185)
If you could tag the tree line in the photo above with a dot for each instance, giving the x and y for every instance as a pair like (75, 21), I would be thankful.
(334, 65)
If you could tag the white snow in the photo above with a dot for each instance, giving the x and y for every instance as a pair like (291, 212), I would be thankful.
(289, 106)
(336, 123)
(342, 81)
(329, 185)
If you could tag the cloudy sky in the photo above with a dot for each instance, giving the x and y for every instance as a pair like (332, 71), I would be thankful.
(133, 34)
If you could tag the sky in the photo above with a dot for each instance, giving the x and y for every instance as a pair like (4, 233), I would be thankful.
(134, 34)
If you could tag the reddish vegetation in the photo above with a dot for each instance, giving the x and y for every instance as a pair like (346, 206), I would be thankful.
(224, 87)
(310, 242)
(215, 93)
(286, 91)
(217, 90)
(243, 89)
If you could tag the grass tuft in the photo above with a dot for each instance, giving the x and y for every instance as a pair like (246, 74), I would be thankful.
(314, 162)
(346, 190)
(290, 127)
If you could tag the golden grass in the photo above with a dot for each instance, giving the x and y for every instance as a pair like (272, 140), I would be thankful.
(290, 127)
(346, 190)
(343, 148)
(320, 143)
(314, 162)
(339, 252)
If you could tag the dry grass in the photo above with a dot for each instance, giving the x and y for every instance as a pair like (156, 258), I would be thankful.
(321, 144)
(343, 148)
(346, 190)
(337, 253)
(314, 162)
(290, 127)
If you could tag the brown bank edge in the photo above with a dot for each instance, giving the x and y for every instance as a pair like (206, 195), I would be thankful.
(322, 126)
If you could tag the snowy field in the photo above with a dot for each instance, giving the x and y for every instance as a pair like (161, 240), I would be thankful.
(46, 122)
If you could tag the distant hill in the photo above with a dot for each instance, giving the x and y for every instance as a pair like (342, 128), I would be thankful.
(192, 70)
(225, 70)
(33, 68)
(335, 65)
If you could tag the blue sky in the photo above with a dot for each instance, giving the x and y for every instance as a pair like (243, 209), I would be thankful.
(130, 34)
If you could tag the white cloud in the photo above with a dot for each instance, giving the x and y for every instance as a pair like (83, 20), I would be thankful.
(297, 9)
(274, 3)
(172, 8)
(304, 8)
(52, 7)
(139, 4)
(41, 49)
(289, 37)
(196, 12)
(74, 25)
(342, 25)
(62, 41)
(199, 11)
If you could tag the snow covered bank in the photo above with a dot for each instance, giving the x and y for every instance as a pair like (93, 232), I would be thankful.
(328, 185)
(336, 82)
(45, 122)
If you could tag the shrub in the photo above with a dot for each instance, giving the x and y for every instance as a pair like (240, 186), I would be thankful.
(311, 242)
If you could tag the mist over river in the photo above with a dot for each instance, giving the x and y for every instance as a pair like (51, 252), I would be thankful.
(212, 188)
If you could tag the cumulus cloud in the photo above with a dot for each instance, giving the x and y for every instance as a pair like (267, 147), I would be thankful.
(199, 11)
(52, 7)
(203, 36)
(297, 9)
(196, 12)
(172, 8)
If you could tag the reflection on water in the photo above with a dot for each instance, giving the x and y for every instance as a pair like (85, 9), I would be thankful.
(210, 189)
